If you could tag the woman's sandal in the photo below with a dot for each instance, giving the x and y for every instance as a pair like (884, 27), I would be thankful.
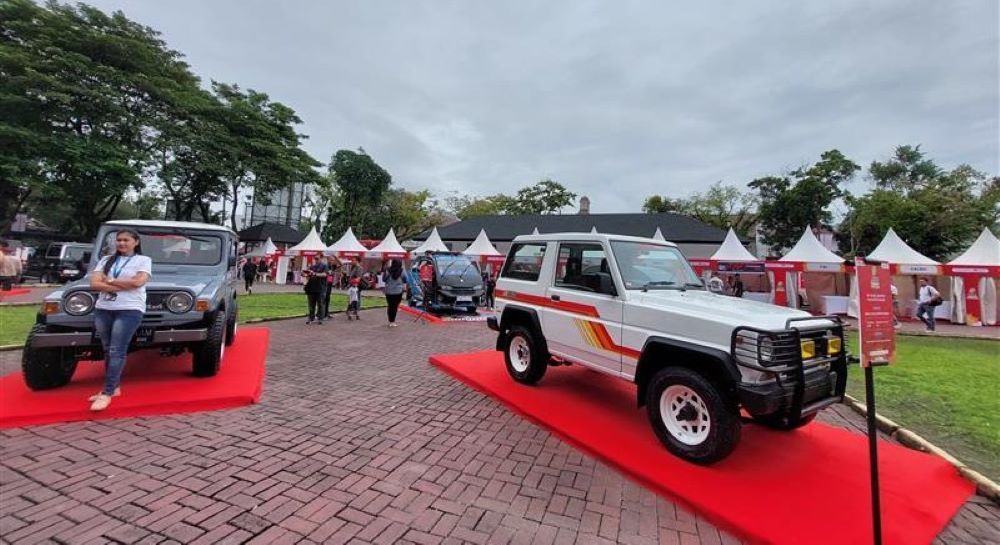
(118, 392)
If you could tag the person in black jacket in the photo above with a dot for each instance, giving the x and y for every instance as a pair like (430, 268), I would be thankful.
(316, 289)
(249, 274)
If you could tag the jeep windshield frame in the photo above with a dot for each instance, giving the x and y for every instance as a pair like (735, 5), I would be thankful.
(648, 266)
(180, 251)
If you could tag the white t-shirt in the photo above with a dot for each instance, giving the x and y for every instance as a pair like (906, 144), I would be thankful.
(927, 293)
(125, 268)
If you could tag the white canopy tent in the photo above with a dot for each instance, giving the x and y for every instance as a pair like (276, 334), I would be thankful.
(389, 248)
(484, 250)
(311, 245)
(731, 250)
(807, 256)
(432, 244)
(264, 250)
(904, 260)
(658, 235)
(535, 231)
(975, 276)
(346, 246)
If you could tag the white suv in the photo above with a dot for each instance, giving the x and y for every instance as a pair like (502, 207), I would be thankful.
(634, 308)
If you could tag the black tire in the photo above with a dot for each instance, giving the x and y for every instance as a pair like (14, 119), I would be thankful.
(531, 364)
(46, 368)
(207, 356)
(46, 278)
(231, 323)
(782, 423)
(722, 433)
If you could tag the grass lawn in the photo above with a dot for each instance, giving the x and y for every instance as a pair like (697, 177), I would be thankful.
(945, 389)
(15, 322)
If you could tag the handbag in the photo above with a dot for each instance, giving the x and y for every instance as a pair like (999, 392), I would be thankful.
(935, 301)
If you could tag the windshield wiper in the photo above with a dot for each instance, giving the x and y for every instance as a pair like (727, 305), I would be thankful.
(662, 284)
(696, 285)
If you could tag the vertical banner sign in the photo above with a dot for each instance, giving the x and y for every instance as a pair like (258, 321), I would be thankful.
(973, 304)
(878, 344)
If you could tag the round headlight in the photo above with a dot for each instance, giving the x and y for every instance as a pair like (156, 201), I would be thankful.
(180, 302)
(80, 303)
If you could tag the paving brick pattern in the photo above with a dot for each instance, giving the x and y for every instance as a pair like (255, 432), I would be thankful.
(356, 440)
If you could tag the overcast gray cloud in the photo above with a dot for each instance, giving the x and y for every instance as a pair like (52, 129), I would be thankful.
(617, 100)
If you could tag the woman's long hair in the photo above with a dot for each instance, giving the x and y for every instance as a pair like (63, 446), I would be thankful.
(114, 257)
(395, 269)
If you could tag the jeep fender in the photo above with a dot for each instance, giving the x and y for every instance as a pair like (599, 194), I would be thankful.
(515, 314)
(660, 352)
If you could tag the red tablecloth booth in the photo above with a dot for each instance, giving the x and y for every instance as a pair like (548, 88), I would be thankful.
(975, 275)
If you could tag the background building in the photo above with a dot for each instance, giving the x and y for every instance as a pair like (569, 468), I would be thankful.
(282, 207)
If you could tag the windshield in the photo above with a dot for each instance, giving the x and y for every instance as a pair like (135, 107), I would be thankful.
(645, 265)
(455, 265)
(76, 253)
(173, 248)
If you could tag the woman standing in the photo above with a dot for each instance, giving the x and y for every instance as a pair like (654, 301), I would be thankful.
(394, 285)
(121, 279)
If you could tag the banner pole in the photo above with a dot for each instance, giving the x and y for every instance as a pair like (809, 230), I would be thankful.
(873, 455)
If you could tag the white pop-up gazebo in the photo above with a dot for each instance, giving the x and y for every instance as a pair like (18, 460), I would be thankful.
(432, 244)
(484, 251)
(906, 264)
(389, 248)
(265, 250)
(806, 257)
(347, 246)
(311, 246)
(975, 275)
(658, 235)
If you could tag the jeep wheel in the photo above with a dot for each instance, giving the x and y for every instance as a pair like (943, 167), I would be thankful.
(781, 422)
(524, 362)
(207, 356)
(231, 324)
(46, 368)
(691, 417)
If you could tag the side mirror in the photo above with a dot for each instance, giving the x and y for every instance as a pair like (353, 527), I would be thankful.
(232, 261)
(601, 282)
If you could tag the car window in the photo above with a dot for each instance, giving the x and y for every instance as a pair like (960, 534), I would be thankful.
(53, 251)
(652, 265)
(76, 253)
(173, 248)
(524, 261)
(581, 266)
(455, 265)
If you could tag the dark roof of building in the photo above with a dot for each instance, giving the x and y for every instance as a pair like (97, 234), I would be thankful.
(278, 233)
(675, 227)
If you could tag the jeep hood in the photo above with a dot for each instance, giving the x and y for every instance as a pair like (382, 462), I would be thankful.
(164, 281)
(722, 310)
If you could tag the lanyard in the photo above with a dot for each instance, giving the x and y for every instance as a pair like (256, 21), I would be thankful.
(117, 271)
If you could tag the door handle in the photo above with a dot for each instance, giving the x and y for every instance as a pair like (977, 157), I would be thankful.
(555, 297)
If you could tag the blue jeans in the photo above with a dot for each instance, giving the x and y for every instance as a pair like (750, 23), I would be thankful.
(115, 328)
(925, 309)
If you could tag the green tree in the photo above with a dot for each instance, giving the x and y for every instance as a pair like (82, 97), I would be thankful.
(361, 185)
(408, 212)
(465, 207)
(545, 197)
(722, 206)
(661, 204)
(802, 198)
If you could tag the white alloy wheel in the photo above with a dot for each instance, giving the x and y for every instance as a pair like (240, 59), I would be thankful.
(685, 414)
(520, 354)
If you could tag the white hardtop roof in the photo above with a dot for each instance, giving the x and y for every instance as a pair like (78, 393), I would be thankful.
(810, 250)
(432, 244)
(984, 251)
(732, 249)
(583, 237)
(894, 250)
(389, 245)
(162, 224)
(312, 243)
(267, 248)
(347, 243)
(481, 246)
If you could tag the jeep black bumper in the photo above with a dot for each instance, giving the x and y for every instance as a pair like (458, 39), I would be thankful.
(820, 389)
(85, 339)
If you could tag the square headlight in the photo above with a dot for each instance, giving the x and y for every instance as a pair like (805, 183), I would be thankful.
(833, 346)
(808, 349)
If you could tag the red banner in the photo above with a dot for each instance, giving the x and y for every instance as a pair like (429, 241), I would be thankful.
(973, 299)
(875, 324)
(780, 290)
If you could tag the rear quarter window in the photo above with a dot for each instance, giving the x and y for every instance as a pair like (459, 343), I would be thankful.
(524, 262)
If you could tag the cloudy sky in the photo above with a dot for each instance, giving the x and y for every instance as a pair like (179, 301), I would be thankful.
(616, 100)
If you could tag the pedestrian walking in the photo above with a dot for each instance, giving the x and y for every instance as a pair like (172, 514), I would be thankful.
(426, 281)
(395, 284)
(491, 287)
(120, 279)
(928, 299)
(315, 288)
(715, 284)
(354, 298)
(738, 287)
(263, 270)
(10, 268)
(331, 265)
(249, 275)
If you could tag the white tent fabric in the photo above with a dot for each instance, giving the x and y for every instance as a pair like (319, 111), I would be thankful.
(894, 250)
(346, 243)
(810, 250)
(312, 243)
(984, 251)
(593, 229)
(432, 244)
(264, 250)
(535, 231)
(658, 235)
(481, 246)
(731, 250)
(389, 246)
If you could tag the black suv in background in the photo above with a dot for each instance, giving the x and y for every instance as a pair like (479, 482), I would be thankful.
(60, 262)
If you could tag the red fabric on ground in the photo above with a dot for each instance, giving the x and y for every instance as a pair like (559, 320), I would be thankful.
(150, 385)
(808, 486)
(426, 316)
(446, 318)
(15, 291)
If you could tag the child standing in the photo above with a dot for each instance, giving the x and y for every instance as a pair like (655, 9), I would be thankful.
(354, 299)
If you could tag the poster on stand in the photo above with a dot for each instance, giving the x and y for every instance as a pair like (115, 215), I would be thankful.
(875, 323)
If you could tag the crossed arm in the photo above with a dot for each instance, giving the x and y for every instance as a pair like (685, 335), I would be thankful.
(102, 282)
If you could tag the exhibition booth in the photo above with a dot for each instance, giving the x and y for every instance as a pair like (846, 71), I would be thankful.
(975, 275)
(810, 275)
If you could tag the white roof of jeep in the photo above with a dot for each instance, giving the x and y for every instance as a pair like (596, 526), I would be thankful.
(171, 225)
(590, 237)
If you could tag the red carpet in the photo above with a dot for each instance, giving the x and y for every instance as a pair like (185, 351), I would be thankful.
(479, 316)
(151, 385)
(15, 291)
(810, 486)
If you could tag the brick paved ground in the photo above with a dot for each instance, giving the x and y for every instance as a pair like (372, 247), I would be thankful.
(357, 439)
